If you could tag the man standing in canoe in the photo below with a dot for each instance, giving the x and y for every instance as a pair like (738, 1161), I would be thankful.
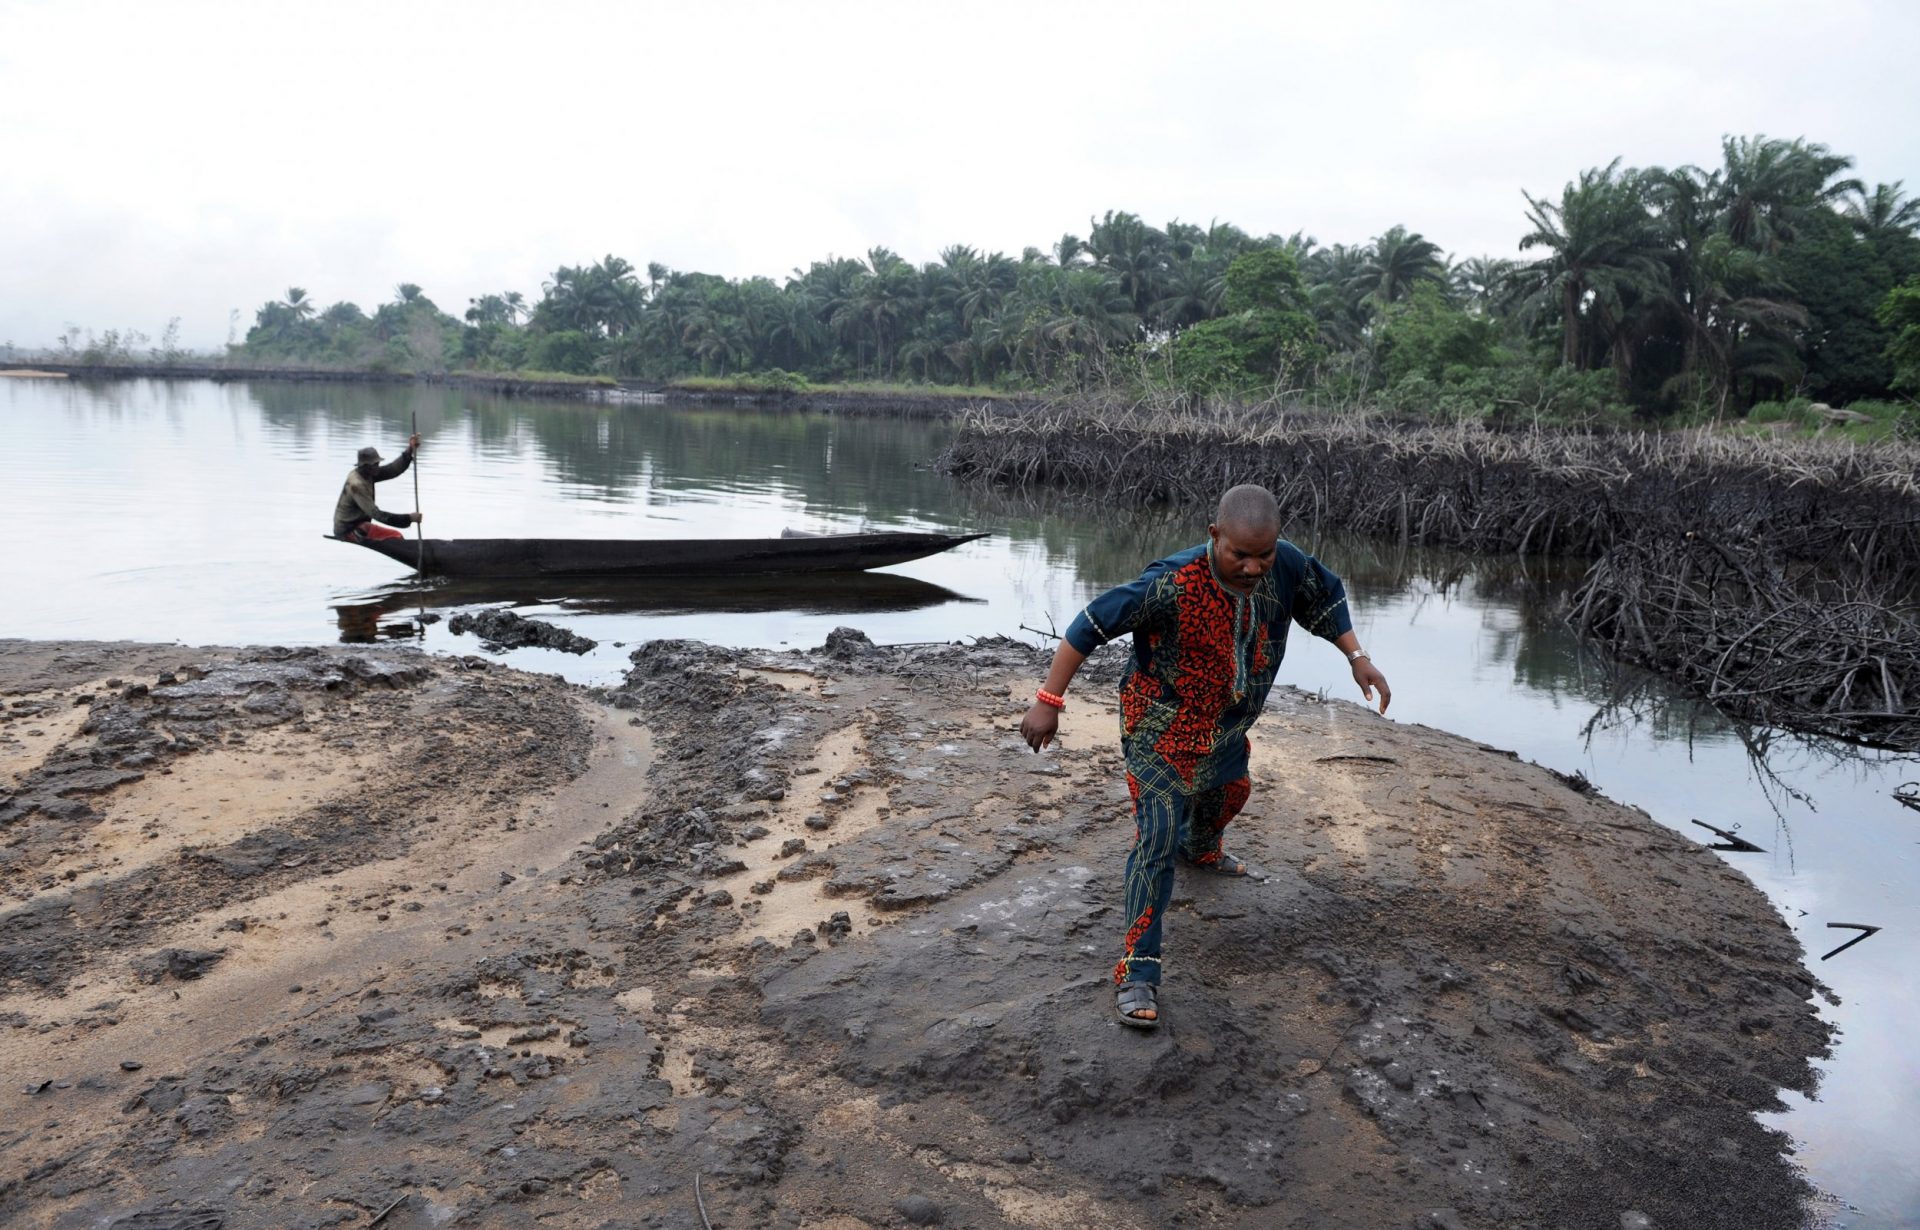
(1209, 627)
(355, 515)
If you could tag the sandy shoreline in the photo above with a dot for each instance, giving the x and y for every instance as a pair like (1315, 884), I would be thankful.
(819, 930)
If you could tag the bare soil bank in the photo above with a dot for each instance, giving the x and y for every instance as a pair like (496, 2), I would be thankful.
(288, 937)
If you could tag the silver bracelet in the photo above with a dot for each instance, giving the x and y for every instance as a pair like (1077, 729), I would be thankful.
(1358, 654)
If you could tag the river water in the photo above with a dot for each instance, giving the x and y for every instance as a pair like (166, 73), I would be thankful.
(194, 512)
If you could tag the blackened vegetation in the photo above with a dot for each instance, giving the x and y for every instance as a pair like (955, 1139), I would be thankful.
(1777, 643)
(1776, 579)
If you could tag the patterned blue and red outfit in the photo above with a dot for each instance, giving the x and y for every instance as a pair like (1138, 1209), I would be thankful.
(1204, 658)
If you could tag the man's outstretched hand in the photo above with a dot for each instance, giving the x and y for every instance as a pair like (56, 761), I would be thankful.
(413, 443)
(1040, 725)
(1368, 676)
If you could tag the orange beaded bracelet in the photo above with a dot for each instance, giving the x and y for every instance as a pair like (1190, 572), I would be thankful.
(1049, 698)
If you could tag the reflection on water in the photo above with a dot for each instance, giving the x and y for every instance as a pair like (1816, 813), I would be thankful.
(195, 511)
(364, 623)
(402, 610)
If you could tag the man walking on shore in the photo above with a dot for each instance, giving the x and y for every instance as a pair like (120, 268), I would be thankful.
(355, 514)
(1209, 628)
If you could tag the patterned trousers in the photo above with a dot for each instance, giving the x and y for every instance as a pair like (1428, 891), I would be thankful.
(1167, 820)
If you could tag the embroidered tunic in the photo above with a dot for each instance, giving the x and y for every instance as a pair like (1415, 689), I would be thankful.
(1204, 658)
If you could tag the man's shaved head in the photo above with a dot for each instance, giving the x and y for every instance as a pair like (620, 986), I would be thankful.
(1249, 509)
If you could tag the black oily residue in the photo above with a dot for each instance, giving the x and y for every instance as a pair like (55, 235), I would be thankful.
(503, 628)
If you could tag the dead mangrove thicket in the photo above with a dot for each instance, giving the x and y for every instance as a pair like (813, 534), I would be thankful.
(1787, 646)
(1776, 578)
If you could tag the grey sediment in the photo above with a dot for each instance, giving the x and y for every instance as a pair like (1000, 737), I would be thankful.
(292, 933)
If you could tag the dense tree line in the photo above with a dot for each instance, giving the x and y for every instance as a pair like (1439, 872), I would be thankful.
(1687, 290)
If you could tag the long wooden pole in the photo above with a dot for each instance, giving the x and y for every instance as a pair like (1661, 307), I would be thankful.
(419, 534)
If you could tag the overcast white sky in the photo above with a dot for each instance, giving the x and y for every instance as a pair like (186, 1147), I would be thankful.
(163, 159)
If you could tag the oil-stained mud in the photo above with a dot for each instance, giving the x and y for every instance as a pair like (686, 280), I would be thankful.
(820, 931)
(505, 628)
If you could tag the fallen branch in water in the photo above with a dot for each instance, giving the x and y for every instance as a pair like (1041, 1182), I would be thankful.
(1865, 930)
(1729, 841)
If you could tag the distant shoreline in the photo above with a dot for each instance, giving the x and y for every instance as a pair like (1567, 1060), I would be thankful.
(841, 398)
(504, 382)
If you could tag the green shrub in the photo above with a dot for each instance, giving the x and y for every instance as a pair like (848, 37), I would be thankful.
(1882, 411)
(1798, 411)
(1266, 330)
(1900, 312)
(1891, 420)
(1265, 280)
(567, 350)
(1428, 335)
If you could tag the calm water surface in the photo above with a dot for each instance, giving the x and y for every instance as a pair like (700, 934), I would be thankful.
(195, 512)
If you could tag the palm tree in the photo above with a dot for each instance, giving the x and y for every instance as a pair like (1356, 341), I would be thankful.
(1741, 329)
(925, 348)
(1331, 275)
(1298, 245)
(981, 286)
(1688, 202)
(1398, 261)
(343, 314)
(1767, 184)
(564, 299)
(487, 310)
(1063, 318)
(298, 303)
(797, 334)
(886, 300)
(1192, 292)
(406, 294)
(1133, 252)
(718, 340)
(1483, 283)
(1603, 249)
(1885, 210)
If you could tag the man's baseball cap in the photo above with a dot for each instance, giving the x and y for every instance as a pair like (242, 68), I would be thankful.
(369, 456)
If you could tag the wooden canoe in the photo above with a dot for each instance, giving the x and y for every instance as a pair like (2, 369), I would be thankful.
(665, 557)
